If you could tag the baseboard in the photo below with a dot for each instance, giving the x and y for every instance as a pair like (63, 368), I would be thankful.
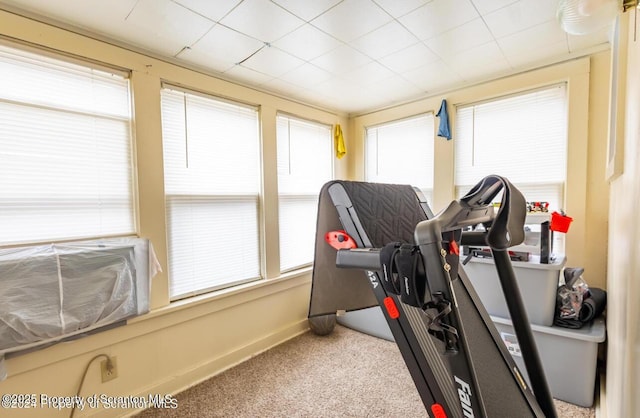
(197, 374)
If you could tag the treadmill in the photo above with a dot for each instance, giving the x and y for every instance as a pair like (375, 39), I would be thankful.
(385, 238)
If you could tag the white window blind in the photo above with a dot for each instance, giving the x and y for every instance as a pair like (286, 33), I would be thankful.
(65, 150)
(212, 187)
(401, 152)
(304, 164)
(522, 137)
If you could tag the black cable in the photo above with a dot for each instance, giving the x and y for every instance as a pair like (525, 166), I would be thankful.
(84, 375)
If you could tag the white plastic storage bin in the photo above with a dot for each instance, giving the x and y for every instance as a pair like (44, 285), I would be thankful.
(538, 284)
(569, 357)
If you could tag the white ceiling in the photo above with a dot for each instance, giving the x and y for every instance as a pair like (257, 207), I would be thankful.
(347, 55)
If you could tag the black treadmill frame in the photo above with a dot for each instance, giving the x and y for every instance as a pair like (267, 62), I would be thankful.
(410, 332)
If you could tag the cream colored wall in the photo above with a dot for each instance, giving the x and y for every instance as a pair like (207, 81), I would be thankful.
(586, 193)
(597, 207)
(181, 343)
(623, 310)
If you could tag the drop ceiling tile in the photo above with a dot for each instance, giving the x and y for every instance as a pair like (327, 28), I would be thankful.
(351, 19)
(338, 87)
(486, 71)
(488, 6)
(581, 42)
(466, 36)
(362, 103)
(282, 87)
(224, 45)
(368, 74)
(438, 16)
(307, 75)
(397, 89)
(307, 10)
(205, 61)
(261, 19)
(535, 37)
(357, 99)
(109, 19)
(520, 16)
(433, 76)
(214, 10)
(400, 8)
(409, 58)
(481, 54)
(246, 75)
(341, 60)
(534, 57)
(106, 19)
(101, 16)
(317, 98)
(164, 26)
(303, 95)
(272, 61)
(482, 61)
(307, 42)
(384, 40)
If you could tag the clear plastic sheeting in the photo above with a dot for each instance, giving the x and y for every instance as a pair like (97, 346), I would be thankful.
(52, 292)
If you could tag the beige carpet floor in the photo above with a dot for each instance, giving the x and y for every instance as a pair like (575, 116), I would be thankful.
(339, 375)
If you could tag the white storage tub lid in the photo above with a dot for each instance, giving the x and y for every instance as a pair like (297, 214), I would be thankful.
(592, 333)
(533, 263)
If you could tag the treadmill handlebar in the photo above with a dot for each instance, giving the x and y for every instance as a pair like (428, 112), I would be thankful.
(506, 226)
(369, 258)
(359, 258)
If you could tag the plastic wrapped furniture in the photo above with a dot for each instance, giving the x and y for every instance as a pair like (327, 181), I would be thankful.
(52, 292)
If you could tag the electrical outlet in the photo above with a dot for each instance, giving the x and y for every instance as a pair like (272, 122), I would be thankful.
(109, 373)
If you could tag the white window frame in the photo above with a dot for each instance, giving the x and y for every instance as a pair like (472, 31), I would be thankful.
(65, 91)
(197, 200)
(310, 196)
(552, 191)
(534, 190)
(411, 156)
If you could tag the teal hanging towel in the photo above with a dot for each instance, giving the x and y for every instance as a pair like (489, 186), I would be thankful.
(443, 129)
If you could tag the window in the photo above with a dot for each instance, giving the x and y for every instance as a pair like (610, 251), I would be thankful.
(521, 137)
(212, 186)
(304, 165)
(401, 152)
(65, 150)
